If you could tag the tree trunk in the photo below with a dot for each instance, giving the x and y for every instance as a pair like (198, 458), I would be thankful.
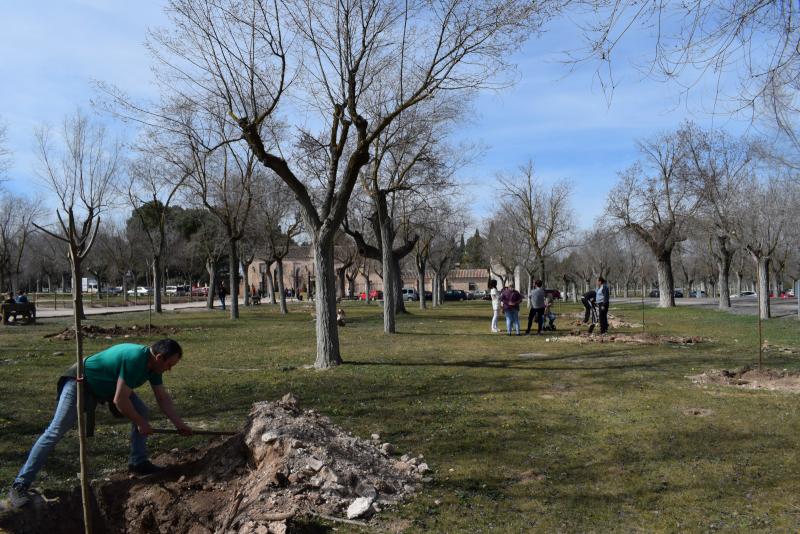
(327, 331)
(762, 270)
(421, 284)
(233, 277)
(269, 288)
(738, 282)
(340, 281)
(367, 290)
(212, 283)
(724, 268)
(435, 285)
(245, 267)
(542, 272)
(388, 264)
(77, 313)
(281, 289)
(399, 303)
(666, 284)
(157, 283)
(574, 292)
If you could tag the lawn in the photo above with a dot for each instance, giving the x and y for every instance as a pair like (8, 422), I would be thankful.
(523, 435)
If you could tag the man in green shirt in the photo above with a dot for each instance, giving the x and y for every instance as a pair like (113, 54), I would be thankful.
(110, 376)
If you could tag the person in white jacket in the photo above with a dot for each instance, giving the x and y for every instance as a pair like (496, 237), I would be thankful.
(495, 294)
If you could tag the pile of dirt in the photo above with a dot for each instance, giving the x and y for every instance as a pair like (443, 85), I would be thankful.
(749, 378)
(288, 467)
(576, 336)
(93, 331)
(613, 321)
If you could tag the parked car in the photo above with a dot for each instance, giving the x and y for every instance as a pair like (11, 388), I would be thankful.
(409, 293)
(745, 294)
(141, 291)
(111, 291)
(199, 291)
(654, 293)
(373, 295)
(480, 294)
(177, 290)
(678, 293)
(695, 294)
(455, 294)
(554, 293)
(428, 295)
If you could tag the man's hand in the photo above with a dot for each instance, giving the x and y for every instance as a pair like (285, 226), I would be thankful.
(144, 428)
(184, 429)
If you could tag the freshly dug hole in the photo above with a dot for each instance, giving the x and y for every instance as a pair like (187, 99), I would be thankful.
(287, 464)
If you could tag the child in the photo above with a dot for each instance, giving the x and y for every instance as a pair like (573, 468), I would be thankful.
(548, 312)
(340, 318)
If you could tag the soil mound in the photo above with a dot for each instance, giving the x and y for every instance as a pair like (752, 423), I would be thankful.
(288, 467)
(93, 331)
(576, 336)
(613, 321)
(748, 378)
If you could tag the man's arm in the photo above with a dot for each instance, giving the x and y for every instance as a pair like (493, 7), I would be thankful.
(165, 403)
(122, 400)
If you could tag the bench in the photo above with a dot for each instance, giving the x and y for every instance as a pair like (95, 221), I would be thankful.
(14, 310)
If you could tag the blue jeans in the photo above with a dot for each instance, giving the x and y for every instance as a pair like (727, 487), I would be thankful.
(512, 319)
(63, 420)
(222, 301)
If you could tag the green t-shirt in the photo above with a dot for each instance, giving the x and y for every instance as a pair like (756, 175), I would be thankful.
(127, 361)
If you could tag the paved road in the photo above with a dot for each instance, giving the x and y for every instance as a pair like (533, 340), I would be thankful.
(43, 313)
(743, 305)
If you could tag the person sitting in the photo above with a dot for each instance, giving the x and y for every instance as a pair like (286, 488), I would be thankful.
(340, 317)
(9, 298)
(22, 298)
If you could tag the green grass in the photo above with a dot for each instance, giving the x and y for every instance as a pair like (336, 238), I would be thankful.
(588, 438)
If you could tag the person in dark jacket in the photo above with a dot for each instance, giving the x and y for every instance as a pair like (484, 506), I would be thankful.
(511, 299)
(601, 299)
(536, 298)
(221, 292)
(588, 302)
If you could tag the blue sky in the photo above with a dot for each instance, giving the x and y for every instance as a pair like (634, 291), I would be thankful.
(52, 50)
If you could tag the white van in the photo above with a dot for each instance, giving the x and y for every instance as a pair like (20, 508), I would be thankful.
(410, 294)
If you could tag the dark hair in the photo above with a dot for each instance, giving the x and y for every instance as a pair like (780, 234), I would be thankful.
(167, 348)
(601, 279)
(538, 283)
(492, 284)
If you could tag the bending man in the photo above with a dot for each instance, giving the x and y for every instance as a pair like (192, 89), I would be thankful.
(110, 376)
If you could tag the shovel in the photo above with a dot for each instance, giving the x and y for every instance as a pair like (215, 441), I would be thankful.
(195, 432)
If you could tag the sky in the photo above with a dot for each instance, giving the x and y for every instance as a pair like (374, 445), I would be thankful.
(52, 50)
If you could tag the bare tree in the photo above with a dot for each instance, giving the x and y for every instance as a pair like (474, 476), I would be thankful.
(153, 187)
(80, 169)
(765, 213)
(280, 223)
(236, 53)
(542, 214)
(17, 216)
(719, 166)
(753, 43)
(654, 199)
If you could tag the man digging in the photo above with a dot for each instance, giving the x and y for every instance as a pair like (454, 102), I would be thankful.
(111, 376)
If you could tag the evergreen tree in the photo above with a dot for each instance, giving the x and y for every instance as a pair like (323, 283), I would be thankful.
(474, 256)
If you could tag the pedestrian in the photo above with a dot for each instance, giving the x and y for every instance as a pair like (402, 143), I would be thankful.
(110, 377)
(511, 299)
(22, 298)
(602, 300)
(587, 300)
(495, 295)
(548, 312)
(536, 301)
(221, 292)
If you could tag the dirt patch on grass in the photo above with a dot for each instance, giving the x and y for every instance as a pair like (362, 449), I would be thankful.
(749, 378)
(576, 319)
(577, 336)
(94, 331)
(698, 412)
(287, 468)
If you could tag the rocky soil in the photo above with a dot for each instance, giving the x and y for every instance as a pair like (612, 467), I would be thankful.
(287, 467)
